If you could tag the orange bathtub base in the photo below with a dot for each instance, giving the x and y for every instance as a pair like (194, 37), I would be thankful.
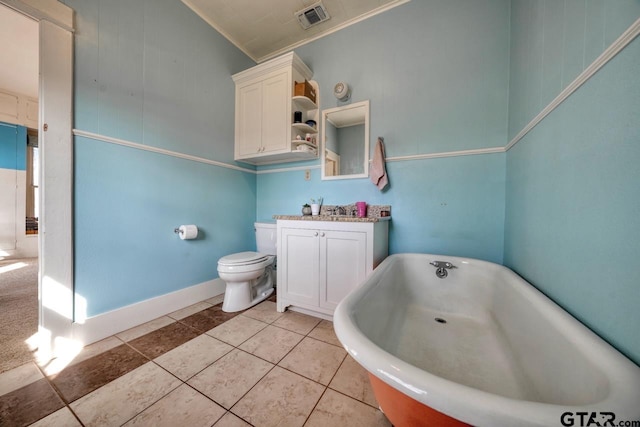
(404, 411)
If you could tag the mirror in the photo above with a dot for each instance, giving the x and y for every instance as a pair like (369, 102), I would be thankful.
(345, 132)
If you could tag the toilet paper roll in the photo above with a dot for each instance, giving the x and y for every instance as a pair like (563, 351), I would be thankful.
(188, 232)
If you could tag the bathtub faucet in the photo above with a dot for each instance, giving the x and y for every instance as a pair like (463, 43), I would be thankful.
(442, 267)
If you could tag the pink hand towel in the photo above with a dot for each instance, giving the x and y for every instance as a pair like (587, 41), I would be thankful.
(378, 174)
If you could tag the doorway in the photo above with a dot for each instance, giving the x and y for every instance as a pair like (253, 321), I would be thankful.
(54, 125)
(19, 175)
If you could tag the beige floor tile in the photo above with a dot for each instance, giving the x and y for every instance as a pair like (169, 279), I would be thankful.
(324, 332)
(125, 397)
(297, 322)
(315, 360)
(281, 398)
(353, 380)
(62, 417)
(230, 420)
(264, 312)
(182, 407)
(19, 377)
(193, 356)
(145, 328)
(228, 379)
(188, 311)
(237, 330)
(215, 300)
(335, 409)
(271, 343)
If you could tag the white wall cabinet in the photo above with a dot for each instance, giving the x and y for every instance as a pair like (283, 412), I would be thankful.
(264, 128)
(18, 109)
(320, 262)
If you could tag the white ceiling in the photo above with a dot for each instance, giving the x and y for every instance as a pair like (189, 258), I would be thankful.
(266, 28)
(18, 53)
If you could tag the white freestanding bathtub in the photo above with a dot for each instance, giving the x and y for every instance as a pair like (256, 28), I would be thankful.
(506, 356)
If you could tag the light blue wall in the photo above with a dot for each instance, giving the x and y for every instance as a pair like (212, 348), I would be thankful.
(126, 249)
(436, 73)
(573, 193)
(451, 206)
(552, 42)
(13, 146)
(152, 72)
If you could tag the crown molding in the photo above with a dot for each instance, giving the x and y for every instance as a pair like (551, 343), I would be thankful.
(44, 10)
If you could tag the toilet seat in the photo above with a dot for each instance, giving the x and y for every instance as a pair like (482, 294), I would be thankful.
(242, 258)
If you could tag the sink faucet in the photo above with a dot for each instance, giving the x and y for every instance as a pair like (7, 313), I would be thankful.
(443, 264)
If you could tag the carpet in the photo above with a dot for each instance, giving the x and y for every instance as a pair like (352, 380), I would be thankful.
(18, 310)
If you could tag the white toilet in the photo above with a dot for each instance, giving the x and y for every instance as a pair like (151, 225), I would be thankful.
(250, 276)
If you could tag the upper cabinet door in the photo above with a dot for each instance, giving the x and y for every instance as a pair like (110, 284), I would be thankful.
(276, 104)
(265, 132)
(249, 120)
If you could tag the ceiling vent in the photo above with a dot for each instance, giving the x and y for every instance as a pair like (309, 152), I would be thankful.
(312, 15)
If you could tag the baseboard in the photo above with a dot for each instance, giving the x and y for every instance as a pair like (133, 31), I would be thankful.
(311, 313)
(112, 322)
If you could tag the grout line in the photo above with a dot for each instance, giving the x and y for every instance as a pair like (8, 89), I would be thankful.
(60, 396)
(277, 364)
(159, 399)
(316, 405)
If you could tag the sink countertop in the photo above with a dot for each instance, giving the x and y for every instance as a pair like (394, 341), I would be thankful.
(339, 218)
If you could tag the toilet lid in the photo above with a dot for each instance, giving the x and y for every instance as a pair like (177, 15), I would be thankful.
(242, 258)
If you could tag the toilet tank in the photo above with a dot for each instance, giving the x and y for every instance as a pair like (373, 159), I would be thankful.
(266, 237)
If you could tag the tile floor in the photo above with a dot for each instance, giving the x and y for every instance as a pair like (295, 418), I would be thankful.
(200, 366)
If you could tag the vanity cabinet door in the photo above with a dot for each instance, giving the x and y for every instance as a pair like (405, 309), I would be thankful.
(298, 265)
(342, 265)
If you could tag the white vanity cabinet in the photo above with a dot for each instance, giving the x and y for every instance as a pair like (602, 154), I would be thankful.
(320, 262)
(264, 128)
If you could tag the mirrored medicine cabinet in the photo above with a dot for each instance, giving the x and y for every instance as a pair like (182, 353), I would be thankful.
(345, 147)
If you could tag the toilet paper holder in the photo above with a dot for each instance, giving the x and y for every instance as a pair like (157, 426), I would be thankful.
(186, 232)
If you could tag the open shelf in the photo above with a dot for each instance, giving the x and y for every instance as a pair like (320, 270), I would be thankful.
(298, 142)
(305, 103)
(305, 128)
